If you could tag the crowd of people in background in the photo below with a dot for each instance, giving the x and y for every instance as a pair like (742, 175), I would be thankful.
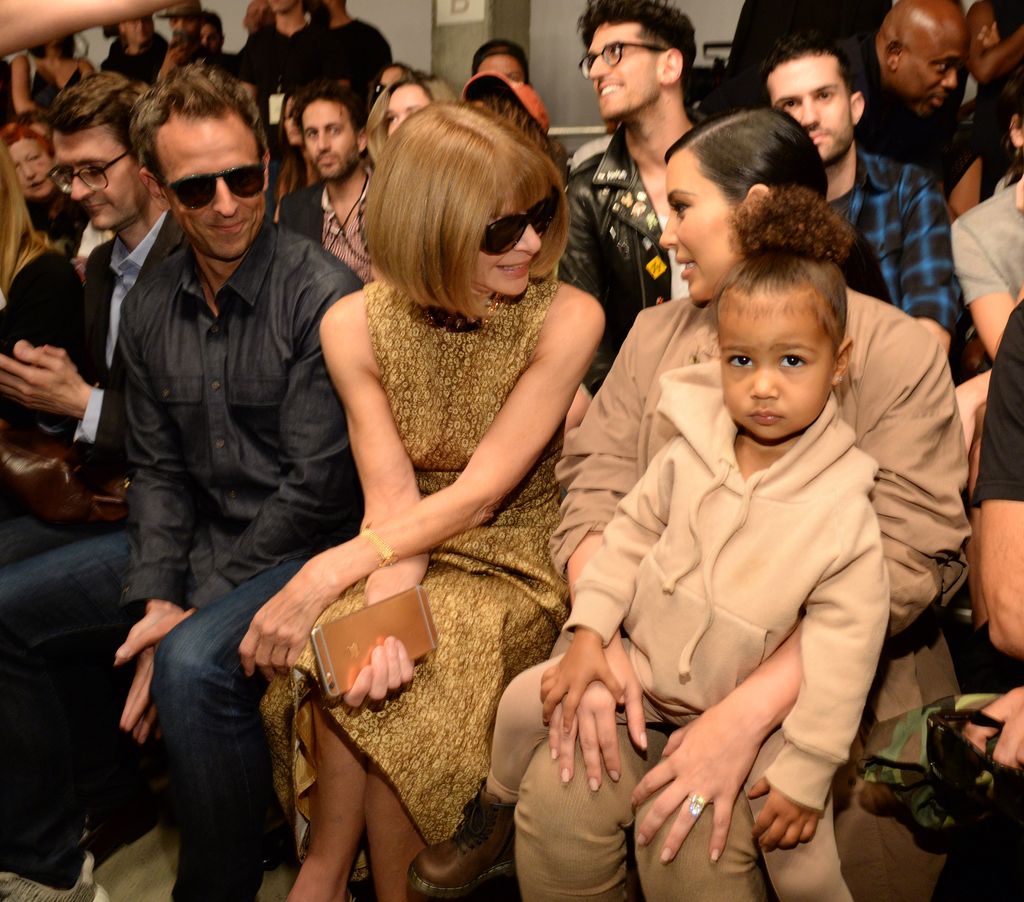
(701, 440)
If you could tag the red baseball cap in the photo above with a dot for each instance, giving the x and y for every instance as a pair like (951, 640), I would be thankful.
(490, 84)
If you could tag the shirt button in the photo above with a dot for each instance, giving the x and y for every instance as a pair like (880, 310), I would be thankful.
(215, 385)
(232, 494)
(214, 329)
(219, 443)
(166, 393)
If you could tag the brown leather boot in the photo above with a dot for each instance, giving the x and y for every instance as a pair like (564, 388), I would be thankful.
(482, 848)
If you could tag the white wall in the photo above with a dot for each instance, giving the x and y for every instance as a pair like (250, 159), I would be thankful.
(555, 50)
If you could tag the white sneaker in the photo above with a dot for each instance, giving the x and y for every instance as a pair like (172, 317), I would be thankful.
(20, 889)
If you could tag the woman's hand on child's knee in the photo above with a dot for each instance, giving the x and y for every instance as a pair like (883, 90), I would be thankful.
(596, 730)
(782, 823)
(390, 668)
(674, 784)
(708, 757)
(584, 663)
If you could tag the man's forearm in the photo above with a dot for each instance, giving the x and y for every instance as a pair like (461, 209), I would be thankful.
(1002, 573)
(161, 523)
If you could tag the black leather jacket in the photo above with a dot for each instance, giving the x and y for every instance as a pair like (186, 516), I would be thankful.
(613, 250)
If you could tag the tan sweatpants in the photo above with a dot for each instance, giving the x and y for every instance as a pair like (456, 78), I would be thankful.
(571, 842)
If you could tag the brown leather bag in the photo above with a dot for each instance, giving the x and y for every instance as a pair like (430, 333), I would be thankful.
(54, 481)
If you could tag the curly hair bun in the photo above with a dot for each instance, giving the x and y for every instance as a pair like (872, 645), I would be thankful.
(792, 220)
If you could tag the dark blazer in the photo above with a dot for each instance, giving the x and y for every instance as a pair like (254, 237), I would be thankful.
(99, 288)
(302, 212)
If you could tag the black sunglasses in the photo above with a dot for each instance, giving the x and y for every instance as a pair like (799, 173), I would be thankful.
(504, 233)
(197, 191)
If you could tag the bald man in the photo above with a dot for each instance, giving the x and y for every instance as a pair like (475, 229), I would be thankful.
(909, 72)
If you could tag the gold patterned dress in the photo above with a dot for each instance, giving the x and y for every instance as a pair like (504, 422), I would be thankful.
(497, 601)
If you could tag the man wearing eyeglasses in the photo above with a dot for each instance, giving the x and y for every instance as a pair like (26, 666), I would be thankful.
(96, 168)
(240, 472)
(638, 56)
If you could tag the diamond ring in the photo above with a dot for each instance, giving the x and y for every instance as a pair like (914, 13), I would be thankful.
(697, 803)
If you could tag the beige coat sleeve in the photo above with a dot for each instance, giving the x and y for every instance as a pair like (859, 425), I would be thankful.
(843, 629)
(908, 422)
(599, 461)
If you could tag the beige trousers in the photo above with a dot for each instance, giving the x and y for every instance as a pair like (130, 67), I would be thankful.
(571, 842)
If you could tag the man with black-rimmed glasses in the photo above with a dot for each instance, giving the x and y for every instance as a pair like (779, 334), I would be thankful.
(97, 169)
(240, 472)
(638, 56)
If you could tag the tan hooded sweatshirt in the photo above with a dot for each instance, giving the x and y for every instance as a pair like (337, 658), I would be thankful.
(710, 572)
(897, 396)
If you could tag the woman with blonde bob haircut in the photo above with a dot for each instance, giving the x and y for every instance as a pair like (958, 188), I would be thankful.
(443, 218)
(456, 370)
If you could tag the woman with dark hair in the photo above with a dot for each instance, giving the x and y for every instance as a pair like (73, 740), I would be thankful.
(386, 75)
(6, 106)
(38, 75)
(297, 170)
(898, 397)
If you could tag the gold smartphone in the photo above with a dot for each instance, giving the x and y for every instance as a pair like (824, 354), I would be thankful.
(343, 647)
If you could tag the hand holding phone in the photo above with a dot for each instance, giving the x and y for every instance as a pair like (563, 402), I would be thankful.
(344, 646)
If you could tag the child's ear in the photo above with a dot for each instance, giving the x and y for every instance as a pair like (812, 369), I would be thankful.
(842, 360)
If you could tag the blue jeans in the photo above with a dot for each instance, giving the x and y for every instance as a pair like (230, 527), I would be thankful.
(23, 535)
(220, 766)
(60, 623)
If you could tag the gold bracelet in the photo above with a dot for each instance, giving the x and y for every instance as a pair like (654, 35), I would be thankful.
(386, 552)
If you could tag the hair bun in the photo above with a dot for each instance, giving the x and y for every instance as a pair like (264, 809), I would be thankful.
(792, 220)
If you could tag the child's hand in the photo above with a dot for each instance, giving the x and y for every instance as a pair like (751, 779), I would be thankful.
(782, 823)
(584, 663)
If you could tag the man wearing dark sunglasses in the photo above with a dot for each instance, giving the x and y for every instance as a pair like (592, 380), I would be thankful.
(638, 55)
(240, 472)
(242, 466)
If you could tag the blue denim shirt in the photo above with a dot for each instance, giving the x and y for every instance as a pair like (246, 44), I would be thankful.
(235, 435)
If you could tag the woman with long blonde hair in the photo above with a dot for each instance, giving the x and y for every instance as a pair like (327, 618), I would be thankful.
(41, 301)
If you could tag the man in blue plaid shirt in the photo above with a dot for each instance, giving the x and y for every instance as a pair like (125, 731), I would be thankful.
(896, 206)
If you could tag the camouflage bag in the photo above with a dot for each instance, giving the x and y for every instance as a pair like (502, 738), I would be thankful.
(942, 779)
